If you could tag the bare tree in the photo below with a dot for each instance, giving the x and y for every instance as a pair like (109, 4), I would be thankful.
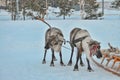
(6, 1)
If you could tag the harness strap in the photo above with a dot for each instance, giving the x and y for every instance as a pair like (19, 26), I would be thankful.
(74, 36)
(79, 39)
(93, 48)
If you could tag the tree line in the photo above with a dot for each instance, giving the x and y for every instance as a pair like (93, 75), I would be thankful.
(40, 6)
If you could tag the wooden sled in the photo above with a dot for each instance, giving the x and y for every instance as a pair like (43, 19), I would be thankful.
(108, 69)
(111, 55)
(115, 58)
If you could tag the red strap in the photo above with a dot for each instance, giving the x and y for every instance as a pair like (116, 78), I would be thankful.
(93, 48)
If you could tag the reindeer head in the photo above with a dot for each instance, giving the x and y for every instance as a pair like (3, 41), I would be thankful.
(94, 47)
(56, 42)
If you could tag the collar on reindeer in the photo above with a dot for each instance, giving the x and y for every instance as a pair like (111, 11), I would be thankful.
(94, 48)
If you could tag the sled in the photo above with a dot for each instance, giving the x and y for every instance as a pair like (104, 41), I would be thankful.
(108, 57)
(113, 59)
(115, 72)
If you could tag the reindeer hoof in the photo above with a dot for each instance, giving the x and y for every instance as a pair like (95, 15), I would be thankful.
(75, 69)
(69, 64)
(62, 64)
(52, 65)
(43, 62)
(55, 59)
(90, 70)
(82, 65)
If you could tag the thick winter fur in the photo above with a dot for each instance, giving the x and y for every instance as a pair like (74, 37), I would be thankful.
(82, 40)
(53, 40)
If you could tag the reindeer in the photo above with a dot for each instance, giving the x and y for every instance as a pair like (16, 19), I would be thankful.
(82, 40)
(53, 40)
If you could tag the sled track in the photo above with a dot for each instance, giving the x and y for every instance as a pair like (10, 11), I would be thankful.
(105, 68)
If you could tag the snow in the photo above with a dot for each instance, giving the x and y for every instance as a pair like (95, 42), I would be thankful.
(4, 15)
(112, 14)
(22, 48)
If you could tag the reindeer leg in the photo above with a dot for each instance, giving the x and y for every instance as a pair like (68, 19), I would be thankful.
(70, 61)
(89, 67)
(52, 61)
(54, 58)
(61, 61)
(77, 59)
(44, 60)
(81, 62)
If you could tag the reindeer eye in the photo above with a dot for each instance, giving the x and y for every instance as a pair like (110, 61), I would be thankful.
(56, 43)
(98, 47)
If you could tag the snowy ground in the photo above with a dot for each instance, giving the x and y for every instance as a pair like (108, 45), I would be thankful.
(4, 15)
(22, 49)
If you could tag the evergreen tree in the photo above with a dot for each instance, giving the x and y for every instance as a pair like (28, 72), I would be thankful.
(91, 7)
(12, 9)
(116, 4)
(22, 7)
(38, 6)
(65, 7)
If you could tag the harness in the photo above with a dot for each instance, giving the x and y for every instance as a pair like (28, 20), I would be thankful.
(79, 39)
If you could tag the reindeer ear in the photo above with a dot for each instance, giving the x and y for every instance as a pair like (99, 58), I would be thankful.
(91, 42)
(99, 43)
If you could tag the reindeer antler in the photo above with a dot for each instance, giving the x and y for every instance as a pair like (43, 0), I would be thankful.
(110, 46)
(41, 19)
